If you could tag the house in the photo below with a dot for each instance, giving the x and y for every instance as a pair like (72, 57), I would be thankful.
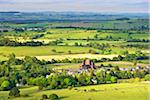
(87, 64)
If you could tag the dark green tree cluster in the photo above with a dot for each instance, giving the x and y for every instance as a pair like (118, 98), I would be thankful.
(8, 42)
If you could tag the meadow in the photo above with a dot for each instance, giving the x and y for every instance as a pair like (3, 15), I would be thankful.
(121, 91)
(81, 33)
(43, 50)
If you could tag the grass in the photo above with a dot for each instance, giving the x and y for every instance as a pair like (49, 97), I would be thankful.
(80, 34)
(144, 61)
(2, 58)
(42, 50)
(122, 91)
(46, 51)
(72, 42)
(69, 33)
(123, 64)
(71, 56)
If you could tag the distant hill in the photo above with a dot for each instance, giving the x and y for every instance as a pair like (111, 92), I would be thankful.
(32, 17)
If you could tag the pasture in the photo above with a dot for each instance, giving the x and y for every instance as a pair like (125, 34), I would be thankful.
(121, 91)
(43, 50)
(47, 52)
(83, 34)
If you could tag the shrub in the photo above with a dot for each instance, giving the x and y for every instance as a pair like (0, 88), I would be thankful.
(113, 79)
(44, 96)
(53, 96)
(147, 77)
(92, 90)
(5, 85)
(69, 52)
(40, 87)
(89, 99)
(25, 95)
(84, 90)
(69, 87)
(14, 92)
(53, 50)
(75, 89)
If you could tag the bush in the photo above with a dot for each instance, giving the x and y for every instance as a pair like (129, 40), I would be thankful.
(14, 92)
(89, 99)
(92, 90)
(25, 95)
(44, 96)
(53, 96)
(84, 90)
(53, 50)
(5, 85)
(69, 87)
(40, 87)
(147, 77)
(113, 79)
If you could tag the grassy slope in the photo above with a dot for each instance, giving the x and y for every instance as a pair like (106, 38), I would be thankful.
(123, 91)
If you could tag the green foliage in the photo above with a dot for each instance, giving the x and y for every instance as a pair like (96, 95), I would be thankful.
(44, 97)
(113, 79)
(14, 92)
(5, 85)
(53, 96)
(147, 77)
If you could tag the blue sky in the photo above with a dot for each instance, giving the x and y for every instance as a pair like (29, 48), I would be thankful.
(75, 5)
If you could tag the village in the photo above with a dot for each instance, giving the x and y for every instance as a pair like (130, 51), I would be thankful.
(88, 65)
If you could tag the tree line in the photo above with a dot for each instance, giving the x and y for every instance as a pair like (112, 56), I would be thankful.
(33, 72)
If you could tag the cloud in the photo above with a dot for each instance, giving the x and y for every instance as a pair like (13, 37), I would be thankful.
(75, 5)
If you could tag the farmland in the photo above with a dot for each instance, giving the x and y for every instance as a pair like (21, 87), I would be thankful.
(74, 56)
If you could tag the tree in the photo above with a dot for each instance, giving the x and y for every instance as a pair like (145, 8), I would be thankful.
(126, 52)
(53, 97)
(108, 78)
(2, 79)
(96, 36)
(53, 50)
(76, 44)
(13, 60)
(5, 85)
(44, 96)
(69, 52)
(116, 68)
(87, 39)
(68, 81)
(113, 79)
(147, 77)
(109, 65)
(14, 92)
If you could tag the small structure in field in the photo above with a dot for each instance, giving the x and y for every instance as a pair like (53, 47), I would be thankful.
(87, 64)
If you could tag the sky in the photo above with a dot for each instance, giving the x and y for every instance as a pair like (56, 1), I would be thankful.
(117, 6)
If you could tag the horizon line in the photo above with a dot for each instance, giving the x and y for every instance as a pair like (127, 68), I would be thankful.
(73, 12)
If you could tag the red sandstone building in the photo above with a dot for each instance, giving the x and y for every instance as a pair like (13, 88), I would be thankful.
(87, 64)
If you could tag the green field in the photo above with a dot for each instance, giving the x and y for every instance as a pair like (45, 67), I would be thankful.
(47, 50)
(80, 34)
(43, 50)
(122, 91)
(55, 38)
